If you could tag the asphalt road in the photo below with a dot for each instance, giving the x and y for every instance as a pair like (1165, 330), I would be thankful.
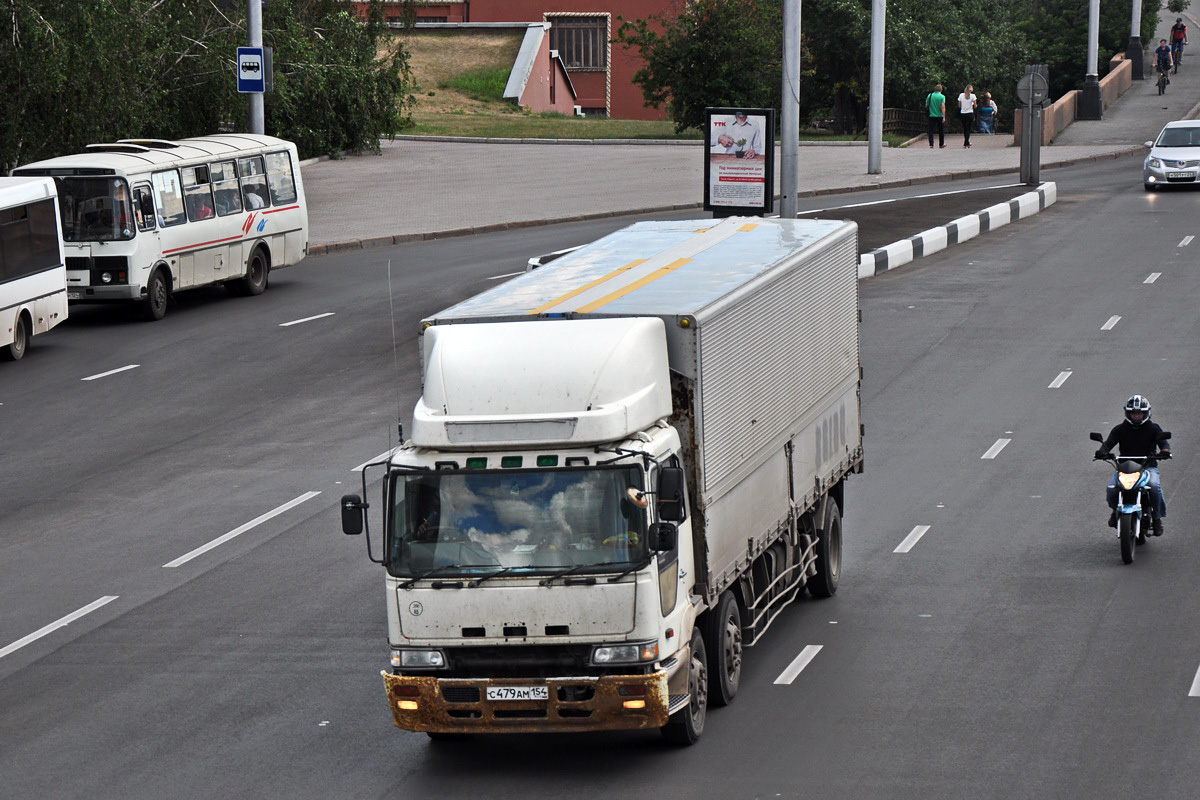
(1006, 654)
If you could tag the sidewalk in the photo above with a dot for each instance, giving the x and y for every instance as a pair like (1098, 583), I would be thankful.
(425, 189)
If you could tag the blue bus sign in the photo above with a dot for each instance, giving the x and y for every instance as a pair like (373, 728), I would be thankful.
(251, 70)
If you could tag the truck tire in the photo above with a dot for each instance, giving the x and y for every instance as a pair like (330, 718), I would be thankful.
(723, 639)
(829, 552)
(685, 725)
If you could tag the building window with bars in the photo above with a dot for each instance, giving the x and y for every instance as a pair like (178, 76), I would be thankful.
(581, 42)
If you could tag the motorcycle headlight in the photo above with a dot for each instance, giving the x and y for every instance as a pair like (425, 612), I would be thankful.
(418, 659)
(1129, 479)
(634, 653)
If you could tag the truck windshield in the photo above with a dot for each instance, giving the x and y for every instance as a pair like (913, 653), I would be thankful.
(95, 209)
(540, 521)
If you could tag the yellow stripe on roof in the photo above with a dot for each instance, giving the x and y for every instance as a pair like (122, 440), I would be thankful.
(582, 289)
(653, 276)
(749, 226)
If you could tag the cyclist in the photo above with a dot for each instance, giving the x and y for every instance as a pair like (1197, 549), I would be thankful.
(1162, 58)
(1178, 40)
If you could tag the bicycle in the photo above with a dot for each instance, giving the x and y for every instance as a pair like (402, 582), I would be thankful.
(1177, 53)
(1163, 80)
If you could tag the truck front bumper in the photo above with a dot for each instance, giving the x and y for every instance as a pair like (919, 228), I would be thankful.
(450, 705)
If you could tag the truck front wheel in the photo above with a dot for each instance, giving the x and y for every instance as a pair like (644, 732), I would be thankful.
(685, 725)
(829, 552)
(723, 635)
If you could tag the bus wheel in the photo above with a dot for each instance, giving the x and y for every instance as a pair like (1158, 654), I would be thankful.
(255, 282)
(154, 307)
(20, 342)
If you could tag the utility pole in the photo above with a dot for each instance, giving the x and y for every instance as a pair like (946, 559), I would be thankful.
(875, 97)
(789, 124)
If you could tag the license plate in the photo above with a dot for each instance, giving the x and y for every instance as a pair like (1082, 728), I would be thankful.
(518, 693)
(1187, 176)
(73, 295)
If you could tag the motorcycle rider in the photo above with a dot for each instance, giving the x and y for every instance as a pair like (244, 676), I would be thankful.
(1138, 436)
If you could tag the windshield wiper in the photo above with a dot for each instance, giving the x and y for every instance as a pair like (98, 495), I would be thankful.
(579, 568)
(632, 568)
(489, 576)
(428, 573)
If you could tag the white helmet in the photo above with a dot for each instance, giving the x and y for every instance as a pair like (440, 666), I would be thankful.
(1137, 403)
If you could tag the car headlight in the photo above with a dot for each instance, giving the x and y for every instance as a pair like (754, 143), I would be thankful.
(418, 659)
(634, 653)
(1154, 163)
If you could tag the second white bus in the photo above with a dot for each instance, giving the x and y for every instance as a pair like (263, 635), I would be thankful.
(145, 218)
(33, 275)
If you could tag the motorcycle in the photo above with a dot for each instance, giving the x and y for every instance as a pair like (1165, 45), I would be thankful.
(1134, 498)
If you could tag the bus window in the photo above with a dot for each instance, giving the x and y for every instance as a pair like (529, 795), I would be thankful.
(225, 186)
(95, 209)
(279, 176)
(254, 181)
(28, 240)
(143, 207)
(197, 193)
(168, 198)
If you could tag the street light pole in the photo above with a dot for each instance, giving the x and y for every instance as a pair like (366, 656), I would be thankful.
(875, 97)
(1091, 104)
(789, 123)
(1134, 52)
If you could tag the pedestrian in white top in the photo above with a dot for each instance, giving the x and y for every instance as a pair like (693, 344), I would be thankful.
(966, 113)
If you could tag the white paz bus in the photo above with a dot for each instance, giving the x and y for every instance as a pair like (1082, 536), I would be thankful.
(145, 218)
(33, 275)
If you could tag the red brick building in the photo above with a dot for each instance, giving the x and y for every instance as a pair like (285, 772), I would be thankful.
(581, 31)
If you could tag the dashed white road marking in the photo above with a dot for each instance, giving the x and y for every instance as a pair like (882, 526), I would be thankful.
(110, 372)
(506, 275)
(1152, 277)
(1195, 691)
(59, 623)
(306, 319)
(1112, 323)
(913, 537)
(798, 664)
(1060, 380)
(995, 449)
(1186, 241)
(220, 540)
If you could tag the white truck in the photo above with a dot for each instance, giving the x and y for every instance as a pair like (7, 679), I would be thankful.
(622, 467)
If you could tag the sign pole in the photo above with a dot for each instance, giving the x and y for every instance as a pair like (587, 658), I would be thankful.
(254, 25)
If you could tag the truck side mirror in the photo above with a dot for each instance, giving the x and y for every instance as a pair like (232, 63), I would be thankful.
(662, 537)
(352, 514)
(669, 495)
(1095, 437)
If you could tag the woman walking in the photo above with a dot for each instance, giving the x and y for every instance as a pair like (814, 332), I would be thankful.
(966, 113)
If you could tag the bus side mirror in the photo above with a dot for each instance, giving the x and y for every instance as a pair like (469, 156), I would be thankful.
(670, 494)
(353, 510)
(662, 537)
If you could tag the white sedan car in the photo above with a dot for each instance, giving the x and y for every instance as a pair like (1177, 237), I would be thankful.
(1174, 156)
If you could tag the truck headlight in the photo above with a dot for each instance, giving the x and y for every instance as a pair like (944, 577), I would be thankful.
(418, 659)
(634, 653)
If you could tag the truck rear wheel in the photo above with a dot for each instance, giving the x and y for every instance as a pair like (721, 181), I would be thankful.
(686, 724)
(723, 638)
(829, 552)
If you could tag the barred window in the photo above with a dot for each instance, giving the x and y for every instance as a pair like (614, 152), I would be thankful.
(581, 42)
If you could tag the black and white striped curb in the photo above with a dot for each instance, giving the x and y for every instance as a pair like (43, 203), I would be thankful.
(960, 230)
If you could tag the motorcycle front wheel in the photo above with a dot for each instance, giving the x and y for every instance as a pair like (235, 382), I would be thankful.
(1127, 525)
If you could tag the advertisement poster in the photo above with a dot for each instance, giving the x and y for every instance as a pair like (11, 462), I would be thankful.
(739, 161)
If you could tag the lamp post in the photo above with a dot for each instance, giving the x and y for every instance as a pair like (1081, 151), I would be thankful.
(1134, 52)
(875, 96)
(1091, 104)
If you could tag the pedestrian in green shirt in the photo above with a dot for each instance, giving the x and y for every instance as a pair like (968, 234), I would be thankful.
(935, 104)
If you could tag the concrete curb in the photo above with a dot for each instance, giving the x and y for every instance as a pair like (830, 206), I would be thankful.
(502, 140)
(960, 230)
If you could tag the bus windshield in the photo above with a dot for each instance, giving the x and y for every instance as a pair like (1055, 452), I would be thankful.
(542, 521)
(95, 209)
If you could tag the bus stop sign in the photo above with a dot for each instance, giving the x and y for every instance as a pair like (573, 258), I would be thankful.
(251, 70)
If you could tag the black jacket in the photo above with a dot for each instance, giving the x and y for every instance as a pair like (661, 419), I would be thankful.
(1141, 440)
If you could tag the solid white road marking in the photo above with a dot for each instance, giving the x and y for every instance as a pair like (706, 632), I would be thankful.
(110, 372)
(1195, 692)
(306, 319)
(506, 275)
(798, 664)
(1186, 241)
(220, 540)
(911, 539)
(995, 449)
(914, 197)
(1152, 277)
(1112, 323)
(1060, 380)
(60, 623)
